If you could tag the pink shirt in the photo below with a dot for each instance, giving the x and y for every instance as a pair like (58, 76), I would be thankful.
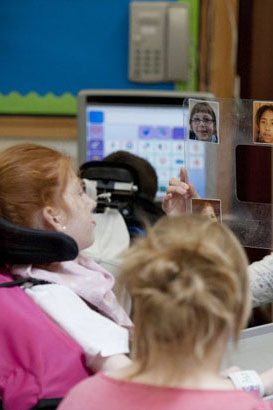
(101, 392)
(38, 360)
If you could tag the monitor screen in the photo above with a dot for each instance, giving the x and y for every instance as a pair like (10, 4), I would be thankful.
(149, 125)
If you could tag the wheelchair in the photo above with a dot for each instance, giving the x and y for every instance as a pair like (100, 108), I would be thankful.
(22, 322)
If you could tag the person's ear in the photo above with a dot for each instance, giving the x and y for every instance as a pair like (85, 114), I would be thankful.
(54, 218)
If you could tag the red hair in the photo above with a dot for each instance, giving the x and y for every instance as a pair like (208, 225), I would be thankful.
(31, 177)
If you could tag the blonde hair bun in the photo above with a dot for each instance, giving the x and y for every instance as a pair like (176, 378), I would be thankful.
(188, 279)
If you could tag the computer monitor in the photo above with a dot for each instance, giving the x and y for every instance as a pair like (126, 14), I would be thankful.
(146, 123)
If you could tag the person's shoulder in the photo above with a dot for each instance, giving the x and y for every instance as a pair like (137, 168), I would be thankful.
(214, 138)
(83, 393)
(85, 384)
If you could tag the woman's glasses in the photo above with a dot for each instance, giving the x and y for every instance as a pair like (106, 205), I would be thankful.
(205, 121)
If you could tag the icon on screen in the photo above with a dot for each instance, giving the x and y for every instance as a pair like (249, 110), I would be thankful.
(95, 145)
(162, 161)
(146, 131)
(96, 116)
(196, 148)
(129, 145)
(196, 162)
(178, 146)
(92, 157)
(96, 131)
(112, 145)
(145, 146)
(163, 146)
(163, 132)
(178, 133)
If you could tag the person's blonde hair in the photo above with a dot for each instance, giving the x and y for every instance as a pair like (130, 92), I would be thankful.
(188, 281)
(31, 177)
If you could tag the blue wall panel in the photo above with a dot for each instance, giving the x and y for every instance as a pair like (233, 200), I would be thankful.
(65, 45)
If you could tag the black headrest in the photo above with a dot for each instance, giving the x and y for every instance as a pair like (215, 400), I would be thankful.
(19, 245)
(132, 204)
(107, 172)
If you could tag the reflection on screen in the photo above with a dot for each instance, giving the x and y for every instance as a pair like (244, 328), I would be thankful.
(253, 173)
(155, 133)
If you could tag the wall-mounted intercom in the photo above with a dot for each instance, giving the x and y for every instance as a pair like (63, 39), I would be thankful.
(159, 41)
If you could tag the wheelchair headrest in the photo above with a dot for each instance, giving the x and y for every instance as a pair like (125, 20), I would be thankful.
(20, 245)
(111, 176)
(121, 182)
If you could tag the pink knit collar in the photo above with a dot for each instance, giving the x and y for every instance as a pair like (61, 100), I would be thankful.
(86, 278)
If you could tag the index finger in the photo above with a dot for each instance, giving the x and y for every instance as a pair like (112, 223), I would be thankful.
(184, 175)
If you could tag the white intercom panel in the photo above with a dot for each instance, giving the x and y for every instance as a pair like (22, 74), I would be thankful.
(159, 41)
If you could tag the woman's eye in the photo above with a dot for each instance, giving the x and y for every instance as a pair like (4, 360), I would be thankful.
(83, 185)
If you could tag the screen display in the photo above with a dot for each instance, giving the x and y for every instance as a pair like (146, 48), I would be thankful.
(155, 133)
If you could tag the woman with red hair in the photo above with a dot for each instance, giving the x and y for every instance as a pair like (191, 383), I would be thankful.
(40, 190)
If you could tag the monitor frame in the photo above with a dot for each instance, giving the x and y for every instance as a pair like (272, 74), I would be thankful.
(123, 97)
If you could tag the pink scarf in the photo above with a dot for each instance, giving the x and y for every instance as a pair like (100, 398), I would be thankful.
(86, 278)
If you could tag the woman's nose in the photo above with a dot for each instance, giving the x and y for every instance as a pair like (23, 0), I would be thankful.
(93, 204)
